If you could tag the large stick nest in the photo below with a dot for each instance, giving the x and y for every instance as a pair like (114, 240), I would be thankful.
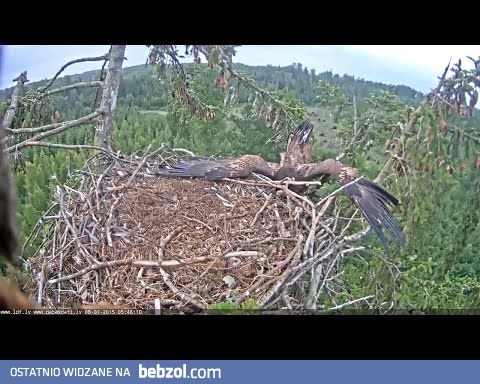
(128, 237)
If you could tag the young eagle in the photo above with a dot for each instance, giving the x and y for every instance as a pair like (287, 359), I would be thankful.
(372, 200)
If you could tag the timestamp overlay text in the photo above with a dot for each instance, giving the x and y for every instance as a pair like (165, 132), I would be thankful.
(236, 371)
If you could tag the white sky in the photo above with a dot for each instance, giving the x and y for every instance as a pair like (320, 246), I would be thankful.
(416, 66)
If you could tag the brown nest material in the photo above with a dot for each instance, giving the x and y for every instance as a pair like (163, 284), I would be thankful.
(128, 237)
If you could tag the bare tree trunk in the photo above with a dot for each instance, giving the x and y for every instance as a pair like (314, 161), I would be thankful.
(10, 113)
(108, 105)
(9, 239)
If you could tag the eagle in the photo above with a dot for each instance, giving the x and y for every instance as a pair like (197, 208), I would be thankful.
(296, 163)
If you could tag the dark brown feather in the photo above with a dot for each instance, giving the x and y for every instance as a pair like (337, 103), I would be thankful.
(372, 200)
(240, 167)
(300, 145)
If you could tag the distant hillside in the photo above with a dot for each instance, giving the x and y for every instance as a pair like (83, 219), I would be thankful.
(294, 78)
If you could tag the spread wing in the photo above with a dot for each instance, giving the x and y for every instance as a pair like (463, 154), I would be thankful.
(299, 148)
(240, 167)
(372, 200)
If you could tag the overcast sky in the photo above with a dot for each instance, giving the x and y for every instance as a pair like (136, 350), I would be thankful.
(414, 65)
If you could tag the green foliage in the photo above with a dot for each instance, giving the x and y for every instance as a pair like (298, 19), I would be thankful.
(224, 308)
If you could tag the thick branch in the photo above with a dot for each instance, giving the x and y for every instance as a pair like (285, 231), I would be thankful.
(63, 127)
(152, 264)
(64, 146)
(82, 60)
(87, 84)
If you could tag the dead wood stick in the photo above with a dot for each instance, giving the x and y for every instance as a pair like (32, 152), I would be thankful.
(86, 84)
(64, 146)
(82, 60)
(38, 226)
(129, 182)
(97, 197)
(199, 222)
(63, 127)
(280, 281)
(139, 166)
(338, 190)
(82, 249)
(336, 308)
(181, 295)
(270, 273)
(164, 242)
(148, 263)
(309, 243)
(257, 215)
(49, 127)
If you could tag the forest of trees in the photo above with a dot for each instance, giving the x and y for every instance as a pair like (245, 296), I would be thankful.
(439, 191)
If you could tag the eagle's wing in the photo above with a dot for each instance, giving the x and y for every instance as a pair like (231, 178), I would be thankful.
(299, 148)
(372, 200)
(240, 167)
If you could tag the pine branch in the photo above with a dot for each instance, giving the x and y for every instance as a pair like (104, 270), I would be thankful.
(397, 151)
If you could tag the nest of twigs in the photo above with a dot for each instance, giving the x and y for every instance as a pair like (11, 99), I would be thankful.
(126, 236)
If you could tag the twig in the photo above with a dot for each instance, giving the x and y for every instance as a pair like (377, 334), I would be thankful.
(66, 219)
(41, 284)
(38, 225)
(199, 222)
(255, 218)
(164, 242)
(357, 236)
(336, 308)
(184, 150)
(276, 289)
(270, 273)
(176, 291)
(338, 190)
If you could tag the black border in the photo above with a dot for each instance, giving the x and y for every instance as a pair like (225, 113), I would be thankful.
(238, 337)
(218, 337)
(211, 23)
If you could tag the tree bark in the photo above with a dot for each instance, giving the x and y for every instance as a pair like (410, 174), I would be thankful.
(108, 104)
(10, 113)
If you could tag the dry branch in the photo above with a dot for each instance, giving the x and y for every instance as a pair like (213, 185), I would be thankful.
(82, 60)
(58, 129)
(87, 84)
(65, 146)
